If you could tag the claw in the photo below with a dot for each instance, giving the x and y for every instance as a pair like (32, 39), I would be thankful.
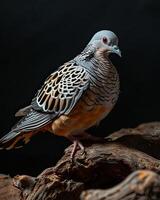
(76, 144)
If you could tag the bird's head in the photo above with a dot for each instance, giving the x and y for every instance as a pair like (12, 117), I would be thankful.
(105, 42)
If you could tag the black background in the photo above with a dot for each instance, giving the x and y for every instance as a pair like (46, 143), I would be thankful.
(36, 36)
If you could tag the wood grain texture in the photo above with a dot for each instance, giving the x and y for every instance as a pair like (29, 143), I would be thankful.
(7, 190)
(141, 185)
(112, 164)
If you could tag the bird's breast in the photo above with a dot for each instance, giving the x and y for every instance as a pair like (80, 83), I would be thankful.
(79, 119)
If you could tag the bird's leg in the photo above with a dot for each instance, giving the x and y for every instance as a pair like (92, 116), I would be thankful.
(76, 144)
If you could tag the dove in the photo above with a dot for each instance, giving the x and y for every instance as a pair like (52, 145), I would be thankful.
(77, 96)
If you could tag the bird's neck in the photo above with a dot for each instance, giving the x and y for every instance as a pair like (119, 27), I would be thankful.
(92, 55)
(91, 52)
(101, 56)
(101, 61)
(95, 61)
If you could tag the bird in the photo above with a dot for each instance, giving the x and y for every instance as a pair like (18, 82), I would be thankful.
(75, 97)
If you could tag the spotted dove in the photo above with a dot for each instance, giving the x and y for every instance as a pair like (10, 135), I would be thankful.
(77, 96)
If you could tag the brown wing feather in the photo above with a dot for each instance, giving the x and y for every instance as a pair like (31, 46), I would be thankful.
(23, 111)
(62, 90)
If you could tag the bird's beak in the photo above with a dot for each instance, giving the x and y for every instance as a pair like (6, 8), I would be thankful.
(116, 50)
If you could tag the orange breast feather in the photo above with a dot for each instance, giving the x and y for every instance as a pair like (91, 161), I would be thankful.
(79, 119)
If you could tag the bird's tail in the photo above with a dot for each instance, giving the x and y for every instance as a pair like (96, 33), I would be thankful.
(13, 138)
(29, 125)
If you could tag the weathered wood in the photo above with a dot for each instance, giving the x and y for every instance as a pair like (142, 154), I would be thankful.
(148, 131)
(140, 185)
(7, 190)
(103, 166)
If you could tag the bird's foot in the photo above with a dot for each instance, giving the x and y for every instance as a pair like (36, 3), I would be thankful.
(77, 144)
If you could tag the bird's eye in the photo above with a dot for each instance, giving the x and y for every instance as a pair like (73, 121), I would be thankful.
(105, 40)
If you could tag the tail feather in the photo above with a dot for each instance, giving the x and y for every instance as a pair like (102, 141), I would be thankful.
(9, 136)
(25, 129)
(12, 139)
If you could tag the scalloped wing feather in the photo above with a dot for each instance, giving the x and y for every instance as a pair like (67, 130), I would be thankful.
(62, 89)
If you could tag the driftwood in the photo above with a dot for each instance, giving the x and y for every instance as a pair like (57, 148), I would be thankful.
(105, 165)
(141, 184)
(7, 190)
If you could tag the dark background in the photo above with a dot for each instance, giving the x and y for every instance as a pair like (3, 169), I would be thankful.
(36, 36)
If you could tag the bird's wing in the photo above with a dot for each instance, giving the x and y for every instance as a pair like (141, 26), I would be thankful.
(61, 90)
(23, 111)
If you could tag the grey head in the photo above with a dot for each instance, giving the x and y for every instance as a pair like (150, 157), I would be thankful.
(105, 41)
